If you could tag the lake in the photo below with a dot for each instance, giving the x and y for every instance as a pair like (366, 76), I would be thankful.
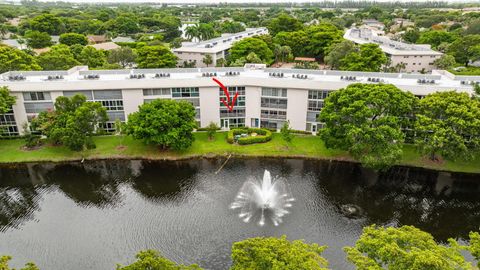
(96, 214)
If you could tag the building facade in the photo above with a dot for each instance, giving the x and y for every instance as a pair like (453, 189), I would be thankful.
(266, 97)
(217, 48)
(416, 58)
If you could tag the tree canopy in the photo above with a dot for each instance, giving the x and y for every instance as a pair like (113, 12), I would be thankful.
(366, 119)
(284, 23)
(6, 100)
(4, 264)
(157, 56)
(369, 57)
(37, 40)
(277, 253)
(242, 48)
(72, 123)
(59, 57)
(167, 123)
(70, 39)
(14, 59)
(403, 248)
(448, 124)
(152, 260)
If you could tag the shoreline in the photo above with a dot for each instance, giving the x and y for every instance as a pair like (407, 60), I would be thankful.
(123, 148)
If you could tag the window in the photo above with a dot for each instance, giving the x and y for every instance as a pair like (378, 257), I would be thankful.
(312, 116)
(112, 105)
(318, 94)
(315, 105)
(38, 107)
(273, 114)
(87, 94)
(157, 92)
(274, 92)
(107, 94)
(112, 116)
(194, 101)
(33, 96)
(232, 90)
(276, 103)
(236, 112)
(185, 92)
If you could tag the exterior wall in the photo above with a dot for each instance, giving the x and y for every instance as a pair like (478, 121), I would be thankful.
(415, 63)
(297, 108)
(194, 56)
(19, 111)
(252, 100)
(209, 106)
(132, 98)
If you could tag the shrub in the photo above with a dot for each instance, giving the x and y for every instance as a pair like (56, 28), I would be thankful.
(263, 135)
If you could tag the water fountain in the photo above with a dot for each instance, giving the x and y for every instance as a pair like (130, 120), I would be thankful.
(266, 200)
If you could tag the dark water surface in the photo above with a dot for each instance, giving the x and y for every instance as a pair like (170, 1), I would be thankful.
(96, 214)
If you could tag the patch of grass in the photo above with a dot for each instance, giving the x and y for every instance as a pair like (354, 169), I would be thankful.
(466, 71)
(111, 147)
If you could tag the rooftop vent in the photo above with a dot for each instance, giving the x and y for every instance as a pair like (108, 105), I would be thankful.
(209, 74)
(300, 76)
(54, 77)
(16, 78)
(137, 76)
(276, 74)
(425, 81)
(348, 78)
(162, 75)
(376, 80)
(91, 76)
(232, 73)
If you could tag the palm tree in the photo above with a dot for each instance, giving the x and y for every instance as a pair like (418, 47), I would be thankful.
(277, 51)
(285, 51)
(192, 32)
(221, 62)
(206, 31)
(207, 60)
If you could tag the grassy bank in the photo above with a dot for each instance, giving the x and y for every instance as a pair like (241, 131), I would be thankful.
(110, 147)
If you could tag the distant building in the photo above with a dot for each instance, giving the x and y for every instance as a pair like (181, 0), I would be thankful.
(14, 43)
(415, 57)
(123, 39)
(374, 23)
(107, 46)
(94, 39)
(217, 47)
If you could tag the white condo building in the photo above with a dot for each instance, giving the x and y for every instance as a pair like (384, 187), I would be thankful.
(217, 48)
(267, 97)
(416, 57)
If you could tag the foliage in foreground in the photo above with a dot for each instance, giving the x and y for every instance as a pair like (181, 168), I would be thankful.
(167, 123)
(152, 260)
(365, 119)
(4, 264)
(404, 248)
(277, 253)
(72, 123)
(6, 100)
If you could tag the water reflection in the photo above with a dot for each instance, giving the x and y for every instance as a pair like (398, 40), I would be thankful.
(116, 208)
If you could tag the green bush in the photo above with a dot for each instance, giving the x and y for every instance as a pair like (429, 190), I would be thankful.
(296, 131)
(263, 135)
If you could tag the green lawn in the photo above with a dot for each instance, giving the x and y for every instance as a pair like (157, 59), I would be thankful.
(110, 147)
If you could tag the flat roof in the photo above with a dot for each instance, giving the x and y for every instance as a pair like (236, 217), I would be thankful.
(387, 45)
(221, 43)
(312, 78)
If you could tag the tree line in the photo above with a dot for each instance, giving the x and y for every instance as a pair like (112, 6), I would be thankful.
(377, 248)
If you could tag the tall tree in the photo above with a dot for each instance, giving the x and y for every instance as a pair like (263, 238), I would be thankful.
(444, 62)
(72, 123)
(321, 37)
(155, 57)
(48, 23)
(59, 57)
(14, 59)
(368, 58)
(465, 49)
(6, 100)
(245, 46)
(448, 124)
(123, 56)
(166, 123)
(70, 39)
(277, 253)
(365, 119)
(92, 57)
(337, 52)
(403, 248)
(435, 38)
(37, 40)
(284, 23)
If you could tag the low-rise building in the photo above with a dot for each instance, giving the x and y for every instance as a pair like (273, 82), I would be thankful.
(267, 97)
(411, 57)
(217, 48)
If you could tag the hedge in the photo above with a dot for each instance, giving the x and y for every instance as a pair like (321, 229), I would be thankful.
(263, 135)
